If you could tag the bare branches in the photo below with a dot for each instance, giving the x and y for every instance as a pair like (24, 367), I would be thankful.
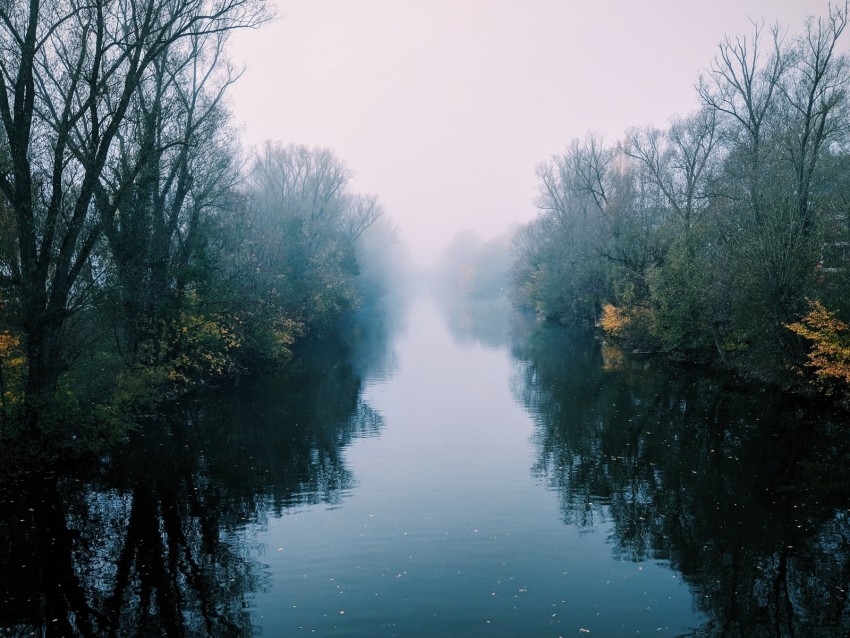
(359, 213)
(73, 77)
(676, 161)
(588, 164)
(741, 84)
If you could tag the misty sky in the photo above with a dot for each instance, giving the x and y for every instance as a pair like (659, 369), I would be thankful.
(444, 108)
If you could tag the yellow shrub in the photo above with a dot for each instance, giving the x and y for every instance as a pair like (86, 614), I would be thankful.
(203, 347)
(614, 321)
(830, 337)
(12, 367)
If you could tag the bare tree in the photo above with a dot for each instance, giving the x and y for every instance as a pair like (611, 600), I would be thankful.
(588, 165)
(745, 89)
(677, 161)
(359, 213)
(175, 164)
(68, 74)
(816, 102)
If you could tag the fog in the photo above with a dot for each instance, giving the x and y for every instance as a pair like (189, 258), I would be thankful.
(444, 109)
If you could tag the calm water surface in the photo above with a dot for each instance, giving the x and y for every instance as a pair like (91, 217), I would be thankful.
(466, 474)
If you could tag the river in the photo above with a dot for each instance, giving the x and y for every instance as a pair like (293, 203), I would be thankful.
(461, 472)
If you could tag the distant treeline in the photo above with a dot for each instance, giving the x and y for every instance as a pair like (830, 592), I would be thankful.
(472, 268)
(723, 238)
(141, 253)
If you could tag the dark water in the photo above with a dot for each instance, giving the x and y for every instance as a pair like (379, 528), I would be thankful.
(469, 474)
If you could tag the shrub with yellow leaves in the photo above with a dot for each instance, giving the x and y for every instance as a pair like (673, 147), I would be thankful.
(830, 353)
(12, 366)
(204, 347)
(614, 321)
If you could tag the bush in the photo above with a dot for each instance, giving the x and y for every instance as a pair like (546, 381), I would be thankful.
(830, 353)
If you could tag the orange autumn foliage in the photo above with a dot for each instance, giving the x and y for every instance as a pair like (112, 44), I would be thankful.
(8, 344)
(11, 367)
(614, 320)
(830, 337)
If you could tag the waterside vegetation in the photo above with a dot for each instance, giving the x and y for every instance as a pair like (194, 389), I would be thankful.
(724, 238)
(143, 253)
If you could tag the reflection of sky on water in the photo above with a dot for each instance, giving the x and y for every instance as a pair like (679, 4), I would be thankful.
(447, 533)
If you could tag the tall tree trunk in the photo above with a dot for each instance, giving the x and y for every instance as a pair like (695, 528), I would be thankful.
(44, 365)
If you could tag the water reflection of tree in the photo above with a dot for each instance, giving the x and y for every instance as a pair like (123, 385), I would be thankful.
(153, 541)
(281, 440)
(742, 492)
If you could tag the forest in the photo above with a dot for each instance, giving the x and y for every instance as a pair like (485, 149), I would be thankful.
(143, 252)
(723, 238)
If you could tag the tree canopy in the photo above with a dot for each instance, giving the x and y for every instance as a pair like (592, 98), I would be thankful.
(703, 240)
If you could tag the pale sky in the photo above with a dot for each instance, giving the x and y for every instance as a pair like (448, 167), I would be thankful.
(444, 108)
